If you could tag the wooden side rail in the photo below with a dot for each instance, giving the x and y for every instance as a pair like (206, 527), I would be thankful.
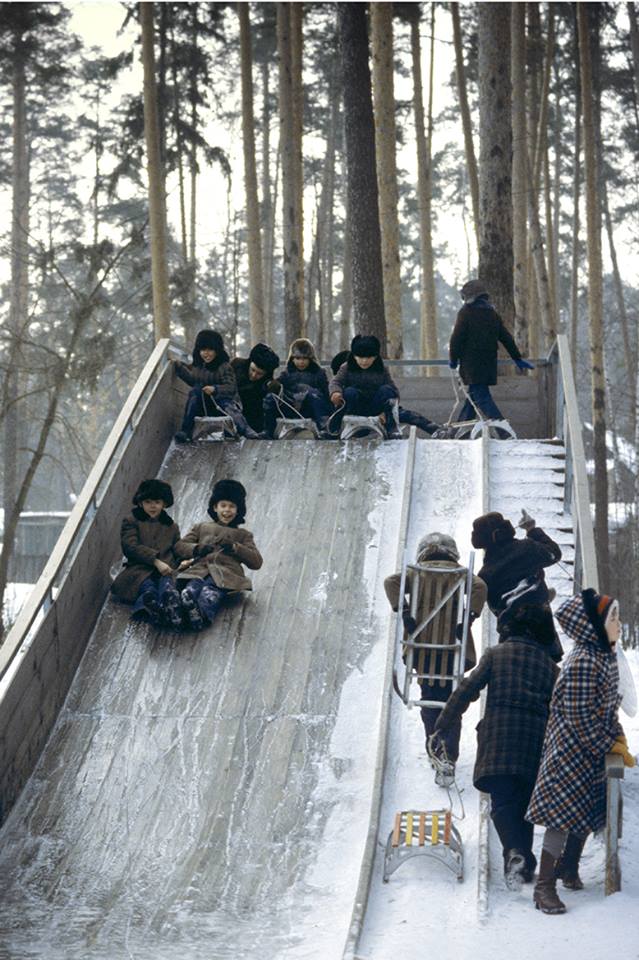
(614, 807)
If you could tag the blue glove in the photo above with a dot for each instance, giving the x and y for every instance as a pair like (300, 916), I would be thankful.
(525, 365)
(453, 364)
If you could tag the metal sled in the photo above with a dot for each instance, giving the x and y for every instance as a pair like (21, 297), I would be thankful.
(436, 649)
(214, 428)
(301, 428)
(425, 833)
(495, 429)
(369, 428)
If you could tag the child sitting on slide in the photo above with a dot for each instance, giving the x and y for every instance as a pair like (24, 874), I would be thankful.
(364, 387)
(213, 386)
(148, 536)
(218, 549)
(304, 386)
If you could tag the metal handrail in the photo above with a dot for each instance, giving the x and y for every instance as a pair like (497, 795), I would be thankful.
(42, 594)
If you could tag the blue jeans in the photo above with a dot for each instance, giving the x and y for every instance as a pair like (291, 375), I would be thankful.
(480, 394)
(314, 405)
(200, 404)
(359, 404)
(208, 597)
(153, 590)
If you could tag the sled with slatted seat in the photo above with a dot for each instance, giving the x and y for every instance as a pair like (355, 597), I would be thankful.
(426, 833)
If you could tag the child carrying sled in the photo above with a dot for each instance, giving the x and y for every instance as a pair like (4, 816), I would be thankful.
(218, 549)
(148, 536)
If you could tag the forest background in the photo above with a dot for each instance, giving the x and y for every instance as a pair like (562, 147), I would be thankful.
(316, 169)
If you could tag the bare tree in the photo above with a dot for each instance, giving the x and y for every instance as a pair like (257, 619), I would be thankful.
(519, 172)
(471, 160)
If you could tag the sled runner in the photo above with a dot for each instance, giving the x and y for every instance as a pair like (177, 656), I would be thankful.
(291, 425)
(436, 649)
(428, 833)
(470, 429)
(214, 428)
(359, 428)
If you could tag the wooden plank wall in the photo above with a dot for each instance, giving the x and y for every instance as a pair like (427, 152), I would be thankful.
(43, 671)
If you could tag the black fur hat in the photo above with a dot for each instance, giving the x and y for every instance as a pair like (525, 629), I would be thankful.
(231, 490)
(154, 490)
(365, 346)
(339, 359)
(264, 358)
(490, 529)
(209, 340)
(528, 618)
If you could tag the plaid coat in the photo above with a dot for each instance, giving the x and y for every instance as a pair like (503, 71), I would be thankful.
(520, 676)
(570, 792)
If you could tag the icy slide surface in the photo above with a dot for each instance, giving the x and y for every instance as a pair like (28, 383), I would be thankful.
(207, 796)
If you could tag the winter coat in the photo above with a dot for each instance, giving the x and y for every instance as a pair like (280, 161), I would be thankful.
(296, 383)
(218, 374)
(570, 792)
(510, 561)
(520, 677)
(425, 603)
(252, 392)
(350, 374)
(224, 569)
(144, 541)
(473, 343)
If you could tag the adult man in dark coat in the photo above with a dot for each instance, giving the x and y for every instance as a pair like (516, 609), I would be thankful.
(473, 346)
(520, 676)
(254, 381)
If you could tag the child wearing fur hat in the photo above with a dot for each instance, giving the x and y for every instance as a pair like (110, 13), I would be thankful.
(508, 560)
(438, 551)
(364, 387)
(213, 385)
(218, 548)
(304, 387)
(149, 536)
(410, 417)
(569, 798)
(473, 346)
(254, 381)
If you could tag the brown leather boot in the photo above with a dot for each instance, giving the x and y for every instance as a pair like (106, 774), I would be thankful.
(567, 868)
(545, 890)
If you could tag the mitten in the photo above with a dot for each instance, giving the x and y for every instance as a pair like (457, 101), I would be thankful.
(525, 365)
(228, 547)
(527, 522)
(410, 624)
(620, 746)
(453, 364)
(203, 550)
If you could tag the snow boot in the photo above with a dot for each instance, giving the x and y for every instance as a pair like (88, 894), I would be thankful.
(182, 437)
(528, 872)
(173, 609)
(195, 618)
(514, 869)
(545, 891)
(567, 868)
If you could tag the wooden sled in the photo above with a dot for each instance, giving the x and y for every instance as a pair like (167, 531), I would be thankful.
(427, 833)
(214, 428)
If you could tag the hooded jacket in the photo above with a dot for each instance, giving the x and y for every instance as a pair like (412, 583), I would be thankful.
(570, 792)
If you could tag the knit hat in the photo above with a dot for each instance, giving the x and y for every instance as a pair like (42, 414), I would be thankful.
(339, 359)
(473, 289)
(598, 609)
(153, 490)
(229, 490)
(365, 346)
(264, 358)
(534, 619)
(490, 529)
(302, 348)
(437, 545)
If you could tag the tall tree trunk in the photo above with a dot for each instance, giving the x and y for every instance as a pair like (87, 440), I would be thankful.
(157, 195)
(428, 308)
(544, 166)
(296, 11)
(180, 148)
(595, 301)
(495, 164)
(346, 299)
(290, 196)
(629, 348)
(381, 15)
(18, 309)
(519, 177)
(256, 291)
(193, 159)
(363, 215)
(471, 160)
(267, 200)
(634, 43)
(576, 190)
(327, 218)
